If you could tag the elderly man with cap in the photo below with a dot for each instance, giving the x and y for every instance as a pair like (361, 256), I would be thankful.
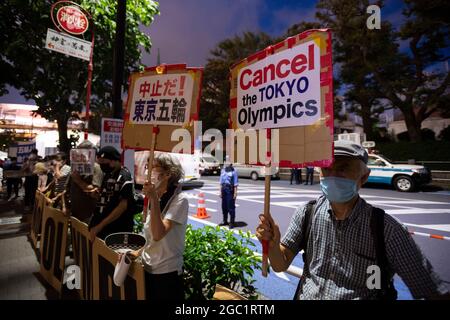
(115, 206)
(351, 249)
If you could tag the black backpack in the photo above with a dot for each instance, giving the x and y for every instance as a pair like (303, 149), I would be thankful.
(387, 291)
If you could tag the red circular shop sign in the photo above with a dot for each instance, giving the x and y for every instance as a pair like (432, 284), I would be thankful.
(72, 20)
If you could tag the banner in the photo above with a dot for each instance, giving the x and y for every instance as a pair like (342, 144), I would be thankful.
(21, 150)
(104, 264)
(82, 161)
(82, 254)
(167, 96)
(53, 246)
(288, 87)
(111, 134)
(36, 218)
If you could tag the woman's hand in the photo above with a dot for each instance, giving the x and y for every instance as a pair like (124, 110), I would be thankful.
(150, 190)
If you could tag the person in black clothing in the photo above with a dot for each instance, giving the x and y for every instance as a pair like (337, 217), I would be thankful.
(115, 206)
(293, 174)
(12, 183)
(298, 176)
(309, 175)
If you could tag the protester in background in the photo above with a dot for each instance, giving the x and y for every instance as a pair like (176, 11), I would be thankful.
(340, 234)
(165, 230)
(309, 175)
(31, 179)
(12, 182)
(84, 190)
(40, 169)
(61, 172)
(228, 193)
(298, 176)
(293, 174)
(115, 207)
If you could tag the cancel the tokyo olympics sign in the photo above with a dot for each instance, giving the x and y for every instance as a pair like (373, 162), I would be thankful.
(283, 90)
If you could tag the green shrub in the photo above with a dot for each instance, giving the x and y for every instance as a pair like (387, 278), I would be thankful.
(215, 256)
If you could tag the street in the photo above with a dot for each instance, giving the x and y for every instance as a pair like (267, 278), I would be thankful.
(424, 212)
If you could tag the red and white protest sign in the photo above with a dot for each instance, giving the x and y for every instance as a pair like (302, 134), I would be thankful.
(282, 90)
(162, 99)
(111, 133)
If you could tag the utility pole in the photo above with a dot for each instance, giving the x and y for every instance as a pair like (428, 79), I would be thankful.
(119, 50)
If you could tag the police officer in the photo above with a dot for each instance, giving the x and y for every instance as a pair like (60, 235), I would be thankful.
(228, 193)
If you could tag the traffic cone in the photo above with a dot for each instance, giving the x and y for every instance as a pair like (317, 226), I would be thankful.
(201, 209)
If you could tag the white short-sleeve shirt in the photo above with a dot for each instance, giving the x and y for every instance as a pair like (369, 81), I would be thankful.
(166, 255)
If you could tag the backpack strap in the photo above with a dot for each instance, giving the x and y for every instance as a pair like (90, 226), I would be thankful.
(387, 291)
(306, 230)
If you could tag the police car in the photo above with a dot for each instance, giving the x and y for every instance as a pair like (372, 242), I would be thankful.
(403, 177)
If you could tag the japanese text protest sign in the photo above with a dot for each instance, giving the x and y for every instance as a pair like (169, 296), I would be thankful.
(166, 96)
(21, 150)
(82, 161)
(112, 133)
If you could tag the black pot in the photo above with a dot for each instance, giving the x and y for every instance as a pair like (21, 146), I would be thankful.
(123, 241)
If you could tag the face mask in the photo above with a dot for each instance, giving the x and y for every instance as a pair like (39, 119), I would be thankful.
(338, 189)
(106, 168)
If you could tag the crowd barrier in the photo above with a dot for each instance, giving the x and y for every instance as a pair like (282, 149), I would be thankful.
(96, 262)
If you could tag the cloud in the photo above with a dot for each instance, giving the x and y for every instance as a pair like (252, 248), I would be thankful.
(186, 31)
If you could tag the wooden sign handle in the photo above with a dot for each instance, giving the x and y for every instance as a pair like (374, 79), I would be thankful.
(155, 132)
(265, 243)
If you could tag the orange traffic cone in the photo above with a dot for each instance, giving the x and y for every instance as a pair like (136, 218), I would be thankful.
(201, 209)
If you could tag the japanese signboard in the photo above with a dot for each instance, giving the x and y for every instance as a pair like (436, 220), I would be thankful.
(82, 161)
(72, 20)
(162, 99)
(168, 99)
(112, 133)
(67, 44)
(288, 87)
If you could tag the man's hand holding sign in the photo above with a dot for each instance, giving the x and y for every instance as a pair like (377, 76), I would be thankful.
(287, 86)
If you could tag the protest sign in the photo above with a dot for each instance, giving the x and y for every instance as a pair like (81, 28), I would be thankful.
(82, 161)
(288, 86)
(53, 246)
(167, 97)
(104, 262)
(21, 150)
(111, 134)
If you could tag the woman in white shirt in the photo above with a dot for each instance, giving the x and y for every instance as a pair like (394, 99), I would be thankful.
(165, 230)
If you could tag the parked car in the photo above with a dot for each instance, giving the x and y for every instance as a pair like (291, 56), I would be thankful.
(404, 177)
(254, 172)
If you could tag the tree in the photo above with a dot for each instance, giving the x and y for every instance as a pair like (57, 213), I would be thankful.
(56, 82)
(354, 44)
(416, 81)
(214, 111)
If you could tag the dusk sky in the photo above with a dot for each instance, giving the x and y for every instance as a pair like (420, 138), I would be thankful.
(186, 30)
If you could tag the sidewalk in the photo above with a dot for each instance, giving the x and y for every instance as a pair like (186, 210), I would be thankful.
(19, 264)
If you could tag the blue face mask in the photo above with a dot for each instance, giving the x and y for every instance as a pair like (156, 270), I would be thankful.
(338, 189)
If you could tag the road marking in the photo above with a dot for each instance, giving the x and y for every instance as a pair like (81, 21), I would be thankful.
(417, 211)
(440, 227)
